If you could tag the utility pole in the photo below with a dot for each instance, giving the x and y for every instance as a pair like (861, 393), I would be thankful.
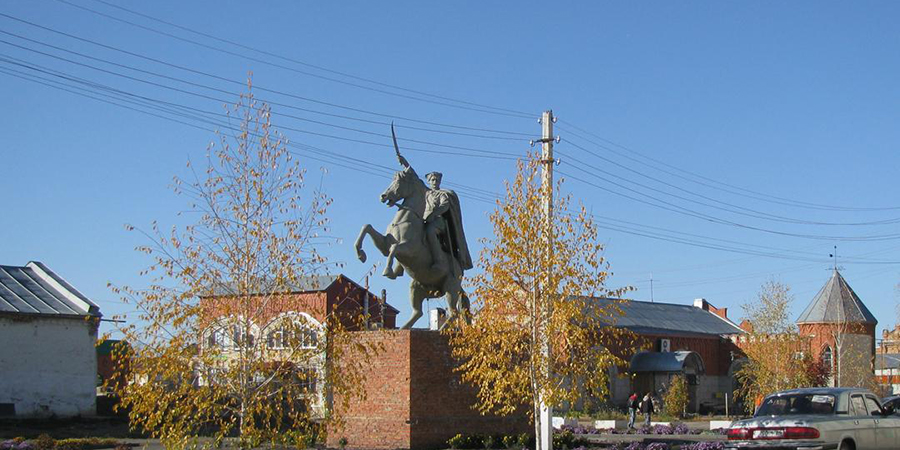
(545, 439)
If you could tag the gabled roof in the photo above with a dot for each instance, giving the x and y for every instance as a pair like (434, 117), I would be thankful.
(669, 318)
(309, 283)
(836, 302)
(35, 289)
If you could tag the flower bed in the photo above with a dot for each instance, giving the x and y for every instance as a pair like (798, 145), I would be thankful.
(678, 428)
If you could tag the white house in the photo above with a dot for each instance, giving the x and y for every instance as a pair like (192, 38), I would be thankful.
(48, 330)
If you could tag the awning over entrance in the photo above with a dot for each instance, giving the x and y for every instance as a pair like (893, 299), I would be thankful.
(666, 362)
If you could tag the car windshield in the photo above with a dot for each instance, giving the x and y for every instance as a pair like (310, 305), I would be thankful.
(794, 404)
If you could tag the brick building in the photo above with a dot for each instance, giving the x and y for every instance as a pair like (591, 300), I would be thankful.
(702, 343)
(841, 331)
(280, 321)
(691, 340)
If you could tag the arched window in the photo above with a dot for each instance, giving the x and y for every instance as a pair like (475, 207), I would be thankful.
(231, 333)
(827, 359)
(293, 331)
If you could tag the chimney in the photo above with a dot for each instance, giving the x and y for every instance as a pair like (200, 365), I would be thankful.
(437, 318)
(701, 303)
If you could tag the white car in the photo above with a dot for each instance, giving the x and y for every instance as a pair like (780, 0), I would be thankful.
(818, 419)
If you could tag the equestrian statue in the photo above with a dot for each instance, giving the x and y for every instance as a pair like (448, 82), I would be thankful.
(425, 240)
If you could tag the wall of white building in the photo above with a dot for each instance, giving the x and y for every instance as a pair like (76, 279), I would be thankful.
(48, 365)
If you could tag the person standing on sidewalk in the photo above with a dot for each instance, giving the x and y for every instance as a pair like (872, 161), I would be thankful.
(647, 408)
(633, 404)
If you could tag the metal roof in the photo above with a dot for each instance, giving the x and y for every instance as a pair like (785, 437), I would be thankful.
(669, 318)
(35, 289)
(836, 302)
(664, 361)
(311, 283)
(887, 361)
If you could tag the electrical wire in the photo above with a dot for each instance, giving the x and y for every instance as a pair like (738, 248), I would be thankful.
(291, 95)
(706, 181)
(483, 153)
(692, 213)
(301, 72)
(732, 208)
(303, 63)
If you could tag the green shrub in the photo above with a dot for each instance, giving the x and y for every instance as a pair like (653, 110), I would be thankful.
(510, 440)
(342, 443)
(525, 440)
(563, 439)
(456, 442)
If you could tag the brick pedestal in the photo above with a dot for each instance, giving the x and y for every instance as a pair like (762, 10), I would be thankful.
(414, 399)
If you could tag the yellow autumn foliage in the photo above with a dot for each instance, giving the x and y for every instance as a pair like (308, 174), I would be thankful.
(529, 286)
(202, 367)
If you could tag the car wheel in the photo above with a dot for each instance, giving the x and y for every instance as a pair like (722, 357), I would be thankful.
(846, 445)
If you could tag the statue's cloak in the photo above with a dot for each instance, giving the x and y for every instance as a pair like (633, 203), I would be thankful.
(455, 232)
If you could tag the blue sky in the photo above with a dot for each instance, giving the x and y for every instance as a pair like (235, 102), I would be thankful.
(796, 101)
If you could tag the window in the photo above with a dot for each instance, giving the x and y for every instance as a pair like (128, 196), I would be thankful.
(798, 404)
(857, 406)
(241, 337)
(874, 407)
(827, 358)
(298, 333)
(231, 333)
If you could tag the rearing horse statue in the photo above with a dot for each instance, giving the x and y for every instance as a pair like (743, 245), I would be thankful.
(405, 243)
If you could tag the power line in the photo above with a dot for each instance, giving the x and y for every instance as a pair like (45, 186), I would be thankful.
(484, 153)
(691, 213)
(354, 162)
(730, 207)
(736, 190)
(306, 64)
(301, 72)
(291, 95)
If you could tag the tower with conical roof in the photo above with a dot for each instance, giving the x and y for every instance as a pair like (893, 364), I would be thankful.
(841, 331)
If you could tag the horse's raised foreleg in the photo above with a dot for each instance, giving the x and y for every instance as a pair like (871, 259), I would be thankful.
(382, 242)
(416, 297)
(389, 265)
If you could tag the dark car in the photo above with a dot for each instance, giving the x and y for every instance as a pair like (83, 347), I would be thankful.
(891, 404)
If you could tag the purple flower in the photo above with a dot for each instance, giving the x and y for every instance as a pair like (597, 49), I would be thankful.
(707, 445)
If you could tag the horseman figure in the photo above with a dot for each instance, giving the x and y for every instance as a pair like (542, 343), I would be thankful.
(426, 238)
(443, 224)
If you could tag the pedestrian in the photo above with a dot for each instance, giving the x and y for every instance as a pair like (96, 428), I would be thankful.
(647, 408)
(633, 404)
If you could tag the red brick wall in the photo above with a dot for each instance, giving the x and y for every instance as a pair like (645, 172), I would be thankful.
(342, 296)
(714, 350)
(820, 335)
(414, 399)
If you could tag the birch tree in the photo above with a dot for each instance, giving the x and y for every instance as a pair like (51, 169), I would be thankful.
(778, 357)
(219, 347)
(501, 350)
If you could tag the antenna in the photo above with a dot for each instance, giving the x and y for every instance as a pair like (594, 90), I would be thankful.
(651, 287)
